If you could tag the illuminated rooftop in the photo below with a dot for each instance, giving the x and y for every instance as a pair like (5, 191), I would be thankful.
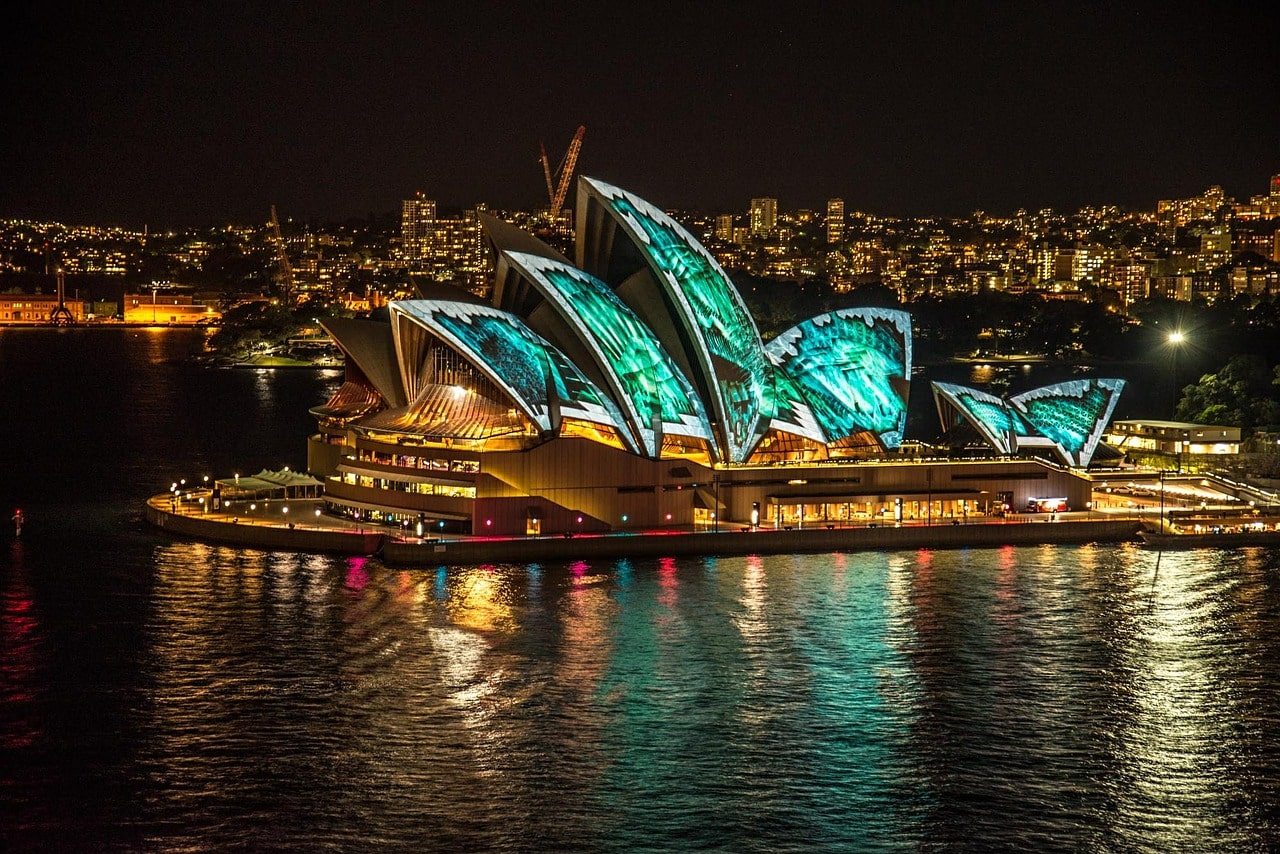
(1067, 417)
(645, 344)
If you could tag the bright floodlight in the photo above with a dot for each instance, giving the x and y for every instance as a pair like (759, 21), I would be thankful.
(1176, 338)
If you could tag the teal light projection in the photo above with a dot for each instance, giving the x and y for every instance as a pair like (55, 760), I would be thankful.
(582, 399)
(517, 359)
(710, 308)
(854, 368)
(791, 410)
(644, 379)
(988, 414)
(1072, 414)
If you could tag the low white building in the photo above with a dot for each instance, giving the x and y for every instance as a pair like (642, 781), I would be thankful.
(1174, 437)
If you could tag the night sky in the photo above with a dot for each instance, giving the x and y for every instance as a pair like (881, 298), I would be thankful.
(167, 115)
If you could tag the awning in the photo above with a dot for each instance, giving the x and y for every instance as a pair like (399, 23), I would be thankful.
(248, 486)
(270, 483)
(286, 478)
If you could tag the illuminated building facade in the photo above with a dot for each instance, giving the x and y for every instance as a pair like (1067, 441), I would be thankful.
(168, 309)
(763, 216)
(835, 221)
(1175, 437)
(417, 226)
(629, 388)
(1064, 420)
(37, 308)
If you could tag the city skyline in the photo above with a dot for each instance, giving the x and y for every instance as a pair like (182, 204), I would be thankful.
(170, 118)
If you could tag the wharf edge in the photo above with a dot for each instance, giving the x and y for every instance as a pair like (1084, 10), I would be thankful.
(395, 550)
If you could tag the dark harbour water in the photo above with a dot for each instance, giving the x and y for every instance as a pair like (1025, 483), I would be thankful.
(164, 695)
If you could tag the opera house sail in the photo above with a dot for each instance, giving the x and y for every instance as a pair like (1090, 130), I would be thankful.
(626, 388)
(1066, 418)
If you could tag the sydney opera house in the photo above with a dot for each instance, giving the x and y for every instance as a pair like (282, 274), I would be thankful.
(628, 388)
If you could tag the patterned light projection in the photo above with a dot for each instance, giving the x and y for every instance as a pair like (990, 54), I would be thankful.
(517, 359)
(791, 410)
(853, 367)
(674, 356)
(1071, 415)
(729, 350)
(644, 379)
(988, 414)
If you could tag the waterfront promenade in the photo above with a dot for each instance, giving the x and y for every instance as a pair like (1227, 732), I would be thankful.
(295, 525)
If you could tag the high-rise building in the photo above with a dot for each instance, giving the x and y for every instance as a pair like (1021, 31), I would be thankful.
(1275, 186)
(417, 224)
(724, 228)
(835, 220)
(764, 216)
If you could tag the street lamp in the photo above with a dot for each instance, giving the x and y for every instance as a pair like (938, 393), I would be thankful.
(1162, 501)
(715, 516)
(1176, 339)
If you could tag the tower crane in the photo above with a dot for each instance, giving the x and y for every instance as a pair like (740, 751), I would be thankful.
(558, 181)
(285, 272)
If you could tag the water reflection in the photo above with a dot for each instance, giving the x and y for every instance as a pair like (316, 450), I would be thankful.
(903, 700)
(1180, 749)
(21, 639)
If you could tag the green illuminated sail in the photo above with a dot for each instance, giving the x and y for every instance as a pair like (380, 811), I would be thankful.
(727, 351)
(644, 380)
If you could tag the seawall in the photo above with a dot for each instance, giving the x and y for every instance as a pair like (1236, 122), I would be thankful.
(760, 541)
(265, 536)
(395, 551)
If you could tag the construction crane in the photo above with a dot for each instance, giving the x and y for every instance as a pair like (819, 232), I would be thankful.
(285, 272)
(558, 181)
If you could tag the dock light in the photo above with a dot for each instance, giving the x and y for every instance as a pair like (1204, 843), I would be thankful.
(624, 517)
(755, 513)
(668, 517)
(284, 509)
(253, 507)
(488, 522)
(317, 512)
(579, 520)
